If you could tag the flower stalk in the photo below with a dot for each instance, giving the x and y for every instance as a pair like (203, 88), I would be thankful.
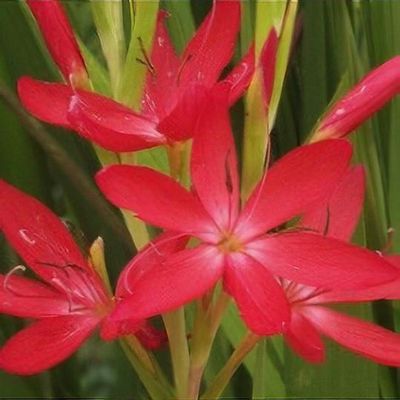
(220, 382)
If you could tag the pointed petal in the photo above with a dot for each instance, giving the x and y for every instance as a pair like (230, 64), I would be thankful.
(388, 291)
(183, 277)
(155, 198)
(365, 338)
(212, 46)
(181, 123)
(319, 261)
(60, 40)
(45, 343)
(214, 164)
(22, 297)
(303, 338)
(38, 235)
(361, 102)
(240, 77)
(37, 95)
(268, 62)
(153, 255)
(295, 184)
(161, 90)
(339, 216)
(110, 124)
(260, 299)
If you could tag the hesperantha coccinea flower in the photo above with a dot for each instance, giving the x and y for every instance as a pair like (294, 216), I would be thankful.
(67, 302)
(364, 99)
(175, 89)
(60, 40)
(244, 246)
(310, 312)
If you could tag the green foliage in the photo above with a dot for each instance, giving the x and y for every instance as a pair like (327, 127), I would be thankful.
(335, 43)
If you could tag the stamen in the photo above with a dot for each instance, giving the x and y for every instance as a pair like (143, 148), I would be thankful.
(327, 222)
(85, 291)
(185, 61)
(230, 244)
(147, 62)
(154, 247)
(8, 276)
(228, 176)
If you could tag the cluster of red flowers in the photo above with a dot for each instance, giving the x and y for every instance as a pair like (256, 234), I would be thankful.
(281, 278)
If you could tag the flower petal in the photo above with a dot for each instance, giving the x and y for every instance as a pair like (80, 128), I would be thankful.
(214, 164)
(60, 39)
(181, 123)
(22, 297)
(154, 254)
(268, 62)
(338, 218)
(240, 77)
(212, 46)
(296, 183)
(388, 291)
(37, 95)
(38, 235)
(155, 198)
(110, 124)
(303, 338)
(161, 91)
(319, 261)
(259, 297)
(363, 100)
(365, 338)
(45, 343)
(183, 277)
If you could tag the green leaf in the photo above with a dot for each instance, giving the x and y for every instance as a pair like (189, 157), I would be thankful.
(108, 18)
(144, 18)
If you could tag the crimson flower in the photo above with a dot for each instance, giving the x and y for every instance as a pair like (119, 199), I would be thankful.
(240, 245)
(367, 97)
(174, 93)
(69, 301)
(60, 40)
(309, 315)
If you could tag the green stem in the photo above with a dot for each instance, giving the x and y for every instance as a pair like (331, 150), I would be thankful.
(222, 379)
(146, 368)
(259, 371)
(176, 329)
(137, 229)
(256, 129)
(205, 328)
(109, 23)
(134, 71)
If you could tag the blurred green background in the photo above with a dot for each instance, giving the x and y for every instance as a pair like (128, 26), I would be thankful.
(335, 43)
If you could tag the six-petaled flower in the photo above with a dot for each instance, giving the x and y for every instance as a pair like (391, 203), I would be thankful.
(67, 303)
(240, 245)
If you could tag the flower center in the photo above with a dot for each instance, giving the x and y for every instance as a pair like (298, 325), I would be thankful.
(229, 243)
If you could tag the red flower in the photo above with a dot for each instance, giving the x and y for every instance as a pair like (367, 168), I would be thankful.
(310, 317)
(60, 40)
(69, 301)
(367, 97)
(174, 93)
(235, 244)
